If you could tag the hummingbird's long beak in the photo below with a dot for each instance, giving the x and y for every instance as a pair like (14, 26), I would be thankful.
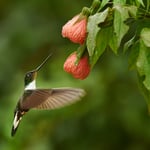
(42, 64)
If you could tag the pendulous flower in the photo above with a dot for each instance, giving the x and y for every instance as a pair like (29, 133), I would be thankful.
(75, 29)
(80, 70)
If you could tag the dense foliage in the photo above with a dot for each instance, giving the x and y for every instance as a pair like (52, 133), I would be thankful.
(115, 25)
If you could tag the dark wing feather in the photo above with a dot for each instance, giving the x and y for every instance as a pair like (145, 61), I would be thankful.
(33, 98)
(50, 98)
(61, 97)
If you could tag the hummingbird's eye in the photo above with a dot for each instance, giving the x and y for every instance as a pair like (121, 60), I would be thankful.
(28, 77)
(29, 74)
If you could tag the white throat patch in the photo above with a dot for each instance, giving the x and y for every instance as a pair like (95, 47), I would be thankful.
(31, 86)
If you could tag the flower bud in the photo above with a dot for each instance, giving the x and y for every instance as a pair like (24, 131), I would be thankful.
(80, 70)
(75, 29)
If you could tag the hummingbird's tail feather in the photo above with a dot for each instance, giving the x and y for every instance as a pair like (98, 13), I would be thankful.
(16, 122)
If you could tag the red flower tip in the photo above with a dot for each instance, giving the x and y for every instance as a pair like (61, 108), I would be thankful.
(79, 71)
(75, 29)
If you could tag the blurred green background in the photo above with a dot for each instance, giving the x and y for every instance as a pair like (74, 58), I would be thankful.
(112, 116)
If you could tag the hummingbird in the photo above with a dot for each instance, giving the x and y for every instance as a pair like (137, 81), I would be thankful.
(42, 99)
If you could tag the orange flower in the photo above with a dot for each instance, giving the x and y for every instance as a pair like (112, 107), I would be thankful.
(79, 71)
(75, 29)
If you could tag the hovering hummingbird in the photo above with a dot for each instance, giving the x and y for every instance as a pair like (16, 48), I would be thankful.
(43, 99)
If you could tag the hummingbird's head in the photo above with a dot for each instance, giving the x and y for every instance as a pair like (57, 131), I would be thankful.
(31, 75)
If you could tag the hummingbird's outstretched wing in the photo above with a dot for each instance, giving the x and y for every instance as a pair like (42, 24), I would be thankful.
(51, 98)
(61, 97)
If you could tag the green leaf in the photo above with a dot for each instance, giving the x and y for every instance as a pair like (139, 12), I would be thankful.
(104, 2)
(140, 2)
(147, 5)
(120, 28)
(128, 44)
(101, 44)
(143, 64)
(113, 43)
(145, 92)
(143, 68)
(133, 56)
(119, 1)
(145, 36)
(132, 10)
(93, 29)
